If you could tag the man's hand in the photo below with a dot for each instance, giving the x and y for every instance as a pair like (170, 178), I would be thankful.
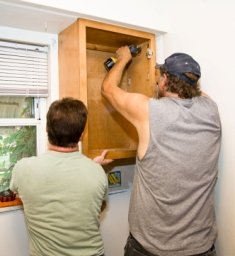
(124, 54)
(101, 159)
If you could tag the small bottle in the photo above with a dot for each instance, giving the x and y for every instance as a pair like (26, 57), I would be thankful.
(134, 49)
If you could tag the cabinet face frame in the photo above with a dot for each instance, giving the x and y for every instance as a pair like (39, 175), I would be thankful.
(87, 35)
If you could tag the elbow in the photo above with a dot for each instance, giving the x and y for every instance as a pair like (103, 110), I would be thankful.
(105, 92)
(102, 90)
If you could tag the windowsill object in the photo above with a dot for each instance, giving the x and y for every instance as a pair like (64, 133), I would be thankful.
(11, 205)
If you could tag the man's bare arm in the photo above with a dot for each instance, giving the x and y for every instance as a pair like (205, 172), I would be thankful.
(133, 106)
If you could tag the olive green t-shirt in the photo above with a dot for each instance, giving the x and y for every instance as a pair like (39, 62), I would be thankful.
(62, 194)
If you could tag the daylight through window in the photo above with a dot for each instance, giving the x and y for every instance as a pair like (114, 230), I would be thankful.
(23, 89)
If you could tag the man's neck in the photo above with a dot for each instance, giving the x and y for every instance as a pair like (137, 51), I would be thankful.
(171, 94)
(62, 149)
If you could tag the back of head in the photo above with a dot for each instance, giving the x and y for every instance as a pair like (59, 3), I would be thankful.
(183, 73)
(66, 120)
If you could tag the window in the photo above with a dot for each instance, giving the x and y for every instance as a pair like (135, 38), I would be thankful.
(23, 93)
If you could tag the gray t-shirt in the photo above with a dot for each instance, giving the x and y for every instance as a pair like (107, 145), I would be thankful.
(172, 205)
(62, 195)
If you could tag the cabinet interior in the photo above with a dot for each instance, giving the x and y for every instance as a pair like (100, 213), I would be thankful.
(96, 42)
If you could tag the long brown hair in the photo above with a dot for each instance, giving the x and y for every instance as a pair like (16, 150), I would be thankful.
(182, 88)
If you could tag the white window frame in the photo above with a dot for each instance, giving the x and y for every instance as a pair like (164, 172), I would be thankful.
(38, 122)
(51, 40)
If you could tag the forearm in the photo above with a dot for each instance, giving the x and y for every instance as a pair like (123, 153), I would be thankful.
(114, 76)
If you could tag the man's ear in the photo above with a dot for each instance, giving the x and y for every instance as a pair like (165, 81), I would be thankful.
(164, 78)
(163, 83)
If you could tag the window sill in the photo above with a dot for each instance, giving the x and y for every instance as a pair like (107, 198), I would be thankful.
(11, 205)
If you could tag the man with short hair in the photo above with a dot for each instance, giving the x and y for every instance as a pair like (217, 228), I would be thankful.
(171, 209)
(62, 190)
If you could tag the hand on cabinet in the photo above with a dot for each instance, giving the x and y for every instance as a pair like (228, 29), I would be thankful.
(101, 158)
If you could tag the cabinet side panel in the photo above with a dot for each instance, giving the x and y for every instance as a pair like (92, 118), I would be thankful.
(82, 59)
(68, 62)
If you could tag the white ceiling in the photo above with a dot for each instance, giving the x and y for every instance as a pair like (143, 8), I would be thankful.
(38, 19)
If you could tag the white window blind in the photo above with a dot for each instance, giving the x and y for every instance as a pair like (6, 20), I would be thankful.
(23, 69)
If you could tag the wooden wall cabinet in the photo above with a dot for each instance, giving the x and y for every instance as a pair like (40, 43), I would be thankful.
(83, 48)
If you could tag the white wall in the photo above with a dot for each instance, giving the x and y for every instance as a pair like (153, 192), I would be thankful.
(13, 235)
(137, 13)
(114, 224)
(206, 30)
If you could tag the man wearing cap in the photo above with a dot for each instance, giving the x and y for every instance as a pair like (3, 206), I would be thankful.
(172, 207)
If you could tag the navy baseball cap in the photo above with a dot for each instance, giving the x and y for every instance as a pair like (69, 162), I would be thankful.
(178, 64)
